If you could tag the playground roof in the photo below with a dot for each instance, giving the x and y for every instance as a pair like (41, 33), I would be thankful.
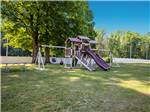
(93, 42)
(73, 40)
(83, 38)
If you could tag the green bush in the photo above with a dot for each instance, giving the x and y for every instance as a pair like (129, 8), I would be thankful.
(107, 59)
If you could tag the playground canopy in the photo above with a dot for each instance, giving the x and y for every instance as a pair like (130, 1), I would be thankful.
(83, 38)
(73, 40)
(78, 40)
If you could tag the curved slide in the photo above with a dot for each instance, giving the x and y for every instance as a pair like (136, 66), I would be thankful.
(98, 60)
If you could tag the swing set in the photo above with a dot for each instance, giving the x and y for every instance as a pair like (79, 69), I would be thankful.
(79, 53)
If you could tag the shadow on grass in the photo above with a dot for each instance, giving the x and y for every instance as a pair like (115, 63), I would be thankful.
(61, 90)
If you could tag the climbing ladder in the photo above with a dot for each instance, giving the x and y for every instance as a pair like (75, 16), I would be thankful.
(79, 57)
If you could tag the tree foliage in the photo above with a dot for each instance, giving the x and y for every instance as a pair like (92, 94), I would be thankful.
(122, 43)
(45, 22)
(29, 24)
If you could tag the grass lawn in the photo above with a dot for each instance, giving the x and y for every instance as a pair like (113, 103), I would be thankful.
(124, 89)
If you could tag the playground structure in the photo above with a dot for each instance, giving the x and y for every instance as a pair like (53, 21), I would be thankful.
(79, 50)
(39, 58)
(79, 53)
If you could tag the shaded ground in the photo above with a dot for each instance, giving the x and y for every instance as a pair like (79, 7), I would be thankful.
(124, 89)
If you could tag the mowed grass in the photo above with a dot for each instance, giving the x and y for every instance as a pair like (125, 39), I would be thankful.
(124, 89)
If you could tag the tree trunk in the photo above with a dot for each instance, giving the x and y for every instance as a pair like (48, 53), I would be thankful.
(35, 38)
(35, 46)
(47, 50)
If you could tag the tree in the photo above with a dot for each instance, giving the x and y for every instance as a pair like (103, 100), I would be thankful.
(25, 16)
(18, 37)
(49, 22)
(65, 19)
(100, 38)
(129, 44)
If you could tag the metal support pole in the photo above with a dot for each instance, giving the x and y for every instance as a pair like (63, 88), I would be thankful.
(130, 50)
(146, 51)
(110, 56)
(7, 49)
(39, 62)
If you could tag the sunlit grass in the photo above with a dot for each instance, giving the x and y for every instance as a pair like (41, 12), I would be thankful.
(124, 89)
(139, 86)
(15, 76)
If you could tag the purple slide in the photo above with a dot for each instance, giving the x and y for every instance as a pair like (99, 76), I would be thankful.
(99, 61)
